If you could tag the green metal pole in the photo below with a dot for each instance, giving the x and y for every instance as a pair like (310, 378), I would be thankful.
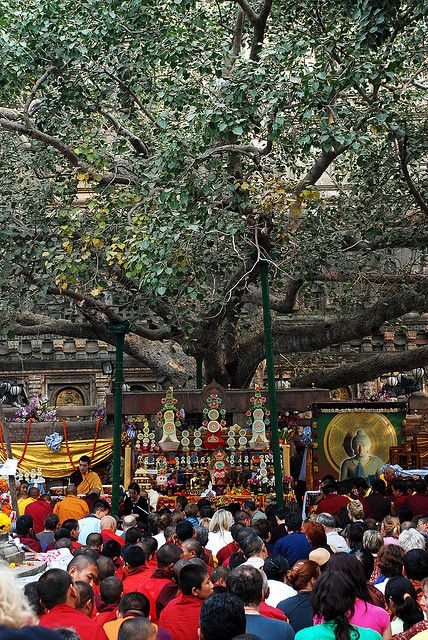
(119, 330)
(267, 323)
(199, 362)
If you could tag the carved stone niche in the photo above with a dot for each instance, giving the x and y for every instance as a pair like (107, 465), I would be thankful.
(69, 396)
(47, 347)
(92, 347)
(68, 391)
(69, 345)
(4, 348)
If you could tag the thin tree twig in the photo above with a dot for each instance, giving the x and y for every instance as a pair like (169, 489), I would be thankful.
(136, 142)
(37, 86)
(402, 153)
(133, 95)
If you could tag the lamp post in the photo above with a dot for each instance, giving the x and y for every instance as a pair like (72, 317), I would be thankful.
(267, 323)
(199, 364)
(119, 330)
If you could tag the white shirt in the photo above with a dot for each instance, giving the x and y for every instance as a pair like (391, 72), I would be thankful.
(381, 585)
(255, 562)
(153, 496)
(217, 541)
(160, 537)
(397, 626)
(337, 541)
(279, 591)
(58, 559)
(90, 524)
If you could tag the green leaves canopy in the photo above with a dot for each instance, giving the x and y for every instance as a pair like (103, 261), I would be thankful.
(151, 153)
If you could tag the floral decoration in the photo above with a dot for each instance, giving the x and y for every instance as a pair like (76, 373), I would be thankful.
(38, 409)
(53, 442)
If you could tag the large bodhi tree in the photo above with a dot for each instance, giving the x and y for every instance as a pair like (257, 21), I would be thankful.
(154, 152)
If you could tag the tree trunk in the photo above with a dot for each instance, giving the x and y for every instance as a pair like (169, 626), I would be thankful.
(259, 376)
(167, 359)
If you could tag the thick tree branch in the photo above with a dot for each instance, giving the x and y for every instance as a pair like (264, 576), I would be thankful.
(110, 314)
(284, 303)
(367, 369)
(9, 114)
(319, 167)
(258, 21)
(404, 278)
(236, 43)
(322, 163)
(315, 335)
(86, 302)
(318, 335)
(266, 9)
(259, 30)
(248, 10)
(402, 152)
(166, 359)
(50, 141)
(237, 33)
(32, 324)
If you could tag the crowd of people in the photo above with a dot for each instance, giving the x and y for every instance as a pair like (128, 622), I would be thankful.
(356, 568)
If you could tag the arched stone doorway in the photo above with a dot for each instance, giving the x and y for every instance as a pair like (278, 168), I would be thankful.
(69, 396)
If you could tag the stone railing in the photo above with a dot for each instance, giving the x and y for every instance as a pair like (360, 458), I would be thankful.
(80, 422)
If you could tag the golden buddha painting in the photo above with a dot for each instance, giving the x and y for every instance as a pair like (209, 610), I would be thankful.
(357, 444)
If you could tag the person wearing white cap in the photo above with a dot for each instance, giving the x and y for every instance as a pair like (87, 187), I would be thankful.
(320, 556)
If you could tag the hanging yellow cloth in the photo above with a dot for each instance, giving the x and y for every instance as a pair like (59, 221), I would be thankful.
(57, 465)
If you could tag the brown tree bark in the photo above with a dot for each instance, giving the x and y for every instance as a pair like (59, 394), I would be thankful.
(232, 359)
(315, 335)
(166, 358)
(368, 369)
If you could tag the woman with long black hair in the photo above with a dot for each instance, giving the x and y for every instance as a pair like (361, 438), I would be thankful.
(333, 600)
(365, 614)
(401, 598)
